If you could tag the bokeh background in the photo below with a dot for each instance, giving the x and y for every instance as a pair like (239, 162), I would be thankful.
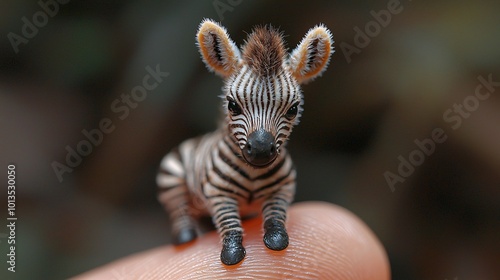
(442, 222)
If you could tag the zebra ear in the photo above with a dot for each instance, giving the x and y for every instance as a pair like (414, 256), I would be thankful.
(218, 51)
(310, 58)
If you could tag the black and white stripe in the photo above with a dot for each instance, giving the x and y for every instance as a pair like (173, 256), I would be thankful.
(266, 99)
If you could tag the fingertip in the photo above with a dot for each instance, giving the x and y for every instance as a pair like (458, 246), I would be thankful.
(341, 243)
(326, 242)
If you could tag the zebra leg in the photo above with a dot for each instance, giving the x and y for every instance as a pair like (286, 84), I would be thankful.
(233, 251)
(176, 202)
(274, 215)
(226, 218)
(174, 195)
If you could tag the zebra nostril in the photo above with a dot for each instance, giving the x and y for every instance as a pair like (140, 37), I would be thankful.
(272, 151)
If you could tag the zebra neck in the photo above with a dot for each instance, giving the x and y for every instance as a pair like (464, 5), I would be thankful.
(230, 141)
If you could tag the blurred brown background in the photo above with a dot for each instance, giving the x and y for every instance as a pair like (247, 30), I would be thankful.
(380, 94)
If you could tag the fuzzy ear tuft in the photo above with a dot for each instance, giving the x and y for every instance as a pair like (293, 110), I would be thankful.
(218, 51)
(310, 58)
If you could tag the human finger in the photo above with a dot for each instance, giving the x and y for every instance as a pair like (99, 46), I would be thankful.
(326, 242)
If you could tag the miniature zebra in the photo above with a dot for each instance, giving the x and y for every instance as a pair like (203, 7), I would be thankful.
(243, 167)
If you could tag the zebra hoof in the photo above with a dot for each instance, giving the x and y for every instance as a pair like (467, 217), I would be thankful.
(184, 235)
(275, 236)
(232, 254)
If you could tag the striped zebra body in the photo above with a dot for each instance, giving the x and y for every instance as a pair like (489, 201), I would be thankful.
(210, 172)
(243, 167)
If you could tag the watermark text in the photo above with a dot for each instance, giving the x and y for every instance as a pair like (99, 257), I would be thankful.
(30, 27)
(362, 37)
(121, 106)
(11, 218)
(453, 116)
(223, 6)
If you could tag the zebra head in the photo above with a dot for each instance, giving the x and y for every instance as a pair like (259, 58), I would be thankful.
(262, 96)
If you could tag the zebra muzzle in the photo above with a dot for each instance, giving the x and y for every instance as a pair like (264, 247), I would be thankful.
(260, 150)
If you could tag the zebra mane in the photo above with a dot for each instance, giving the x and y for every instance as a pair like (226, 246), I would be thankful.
(264, 51)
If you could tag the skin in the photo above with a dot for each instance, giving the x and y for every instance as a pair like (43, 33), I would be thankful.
(326, 242)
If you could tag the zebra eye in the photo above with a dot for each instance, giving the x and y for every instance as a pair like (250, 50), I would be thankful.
(292, 112)
(233, 107)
